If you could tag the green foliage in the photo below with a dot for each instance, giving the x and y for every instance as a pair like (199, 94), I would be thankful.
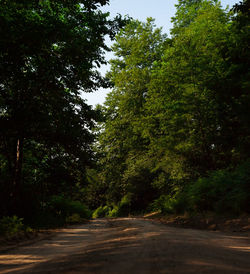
(64, 207)
(222, 191)
(168, 204)
(185, 124)
(47, 219)
(114, 212)
(58, 211)
(177, 120)
(121, 143)
(101, 212)
(121, 209)
(74, 219)
(124, 207)
(94, 190)
(50, 52)
(172, 130)
(10, 226)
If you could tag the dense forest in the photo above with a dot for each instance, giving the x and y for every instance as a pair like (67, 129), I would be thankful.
(173, 135)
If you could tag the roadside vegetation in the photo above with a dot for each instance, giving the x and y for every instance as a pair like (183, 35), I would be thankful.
(173, 135)
(50, 52)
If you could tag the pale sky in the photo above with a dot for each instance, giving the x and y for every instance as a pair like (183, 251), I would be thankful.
(160, 10)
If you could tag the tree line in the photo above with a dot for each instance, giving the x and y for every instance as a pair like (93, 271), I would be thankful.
(173, 134)
(176, 132)
(50, 52)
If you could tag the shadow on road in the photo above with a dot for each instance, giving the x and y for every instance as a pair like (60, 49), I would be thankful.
(131, 246)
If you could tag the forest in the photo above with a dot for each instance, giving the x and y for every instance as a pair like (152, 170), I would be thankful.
(172, 136)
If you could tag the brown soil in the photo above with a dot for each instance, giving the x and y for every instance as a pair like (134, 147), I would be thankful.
(27, 238)
(131, 245)
(208, 222)
(24, 238)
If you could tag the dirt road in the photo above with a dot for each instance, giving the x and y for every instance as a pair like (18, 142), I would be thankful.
(130, 246)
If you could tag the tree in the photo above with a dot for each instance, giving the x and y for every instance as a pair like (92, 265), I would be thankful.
(237, 83)
(49, 53)
(179, 108)
(122, 142)
(184, 91)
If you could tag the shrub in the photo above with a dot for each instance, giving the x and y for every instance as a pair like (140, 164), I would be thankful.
(113, 212)
(123, 208)
(101, 212)
(222, 191)
(165, 204)
(180, 203)
(64, 207)
(74, 219)
(120, 210)
(9, 226)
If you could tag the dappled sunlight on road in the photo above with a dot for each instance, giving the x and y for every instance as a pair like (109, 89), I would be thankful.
(19, 259)
(241, 248)
(129, 245)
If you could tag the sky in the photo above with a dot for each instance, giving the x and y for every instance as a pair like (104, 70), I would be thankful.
(160, 10)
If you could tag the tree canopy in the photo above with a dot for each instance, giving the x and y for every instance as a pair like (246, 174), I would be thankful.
(50, 52)
(173, 134)
(179, 108)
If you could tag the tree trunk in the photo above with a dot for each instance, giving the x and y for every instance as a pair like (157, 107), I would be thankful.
(17, 176)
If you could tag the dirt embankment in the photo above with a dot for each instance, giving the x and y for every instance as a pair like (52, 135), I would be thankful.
(24, 238)
(131, 245)
(208, 222)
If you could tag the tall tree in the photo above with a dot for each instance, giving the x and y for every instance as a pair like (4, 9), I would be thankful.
(49, 53)
(185, 88)
(137, 47)
(179, 108)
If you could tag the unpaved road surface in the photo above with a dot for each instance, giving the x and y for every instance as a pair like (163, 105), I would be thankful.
(131, 245)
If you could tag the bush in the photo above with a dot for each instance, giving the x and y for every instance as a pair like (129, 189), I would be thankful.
(120, 210)
(9, 226)
(47, 218)
(101, 212)
(181, 204)
(58, 211)
(222, 192)
(113, 212)
(165, 204)
(74, 219)
(64, 207)
(124, 207)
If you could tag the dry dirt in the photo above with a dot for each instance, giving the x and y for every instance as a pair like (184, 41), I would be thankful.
(131, 245)
(207, 222)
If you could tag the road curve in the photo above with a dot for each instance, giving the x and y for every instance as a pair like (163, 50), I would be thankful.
(131, 245)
